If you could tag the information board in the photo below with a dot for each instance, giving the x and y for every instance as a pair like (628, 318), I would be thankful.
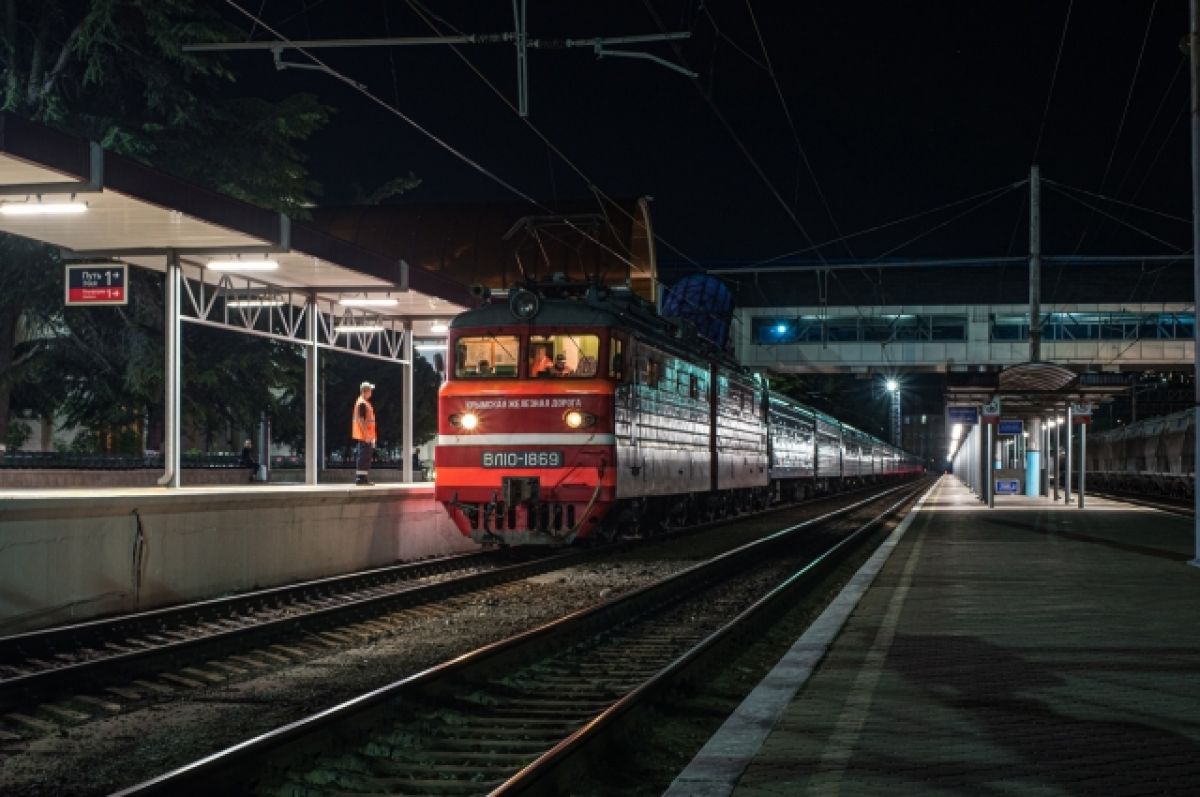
(967, 415)
(91, 284)
(1008, 486)
(1010, 427)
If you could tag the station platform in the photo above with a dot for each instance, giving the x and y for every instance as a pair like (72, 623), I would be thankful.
(1029, 649)
(73, 554)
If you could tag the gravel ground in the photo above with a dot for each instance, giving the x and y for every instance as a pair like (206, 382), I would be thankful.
(146, 738)
(143, 740)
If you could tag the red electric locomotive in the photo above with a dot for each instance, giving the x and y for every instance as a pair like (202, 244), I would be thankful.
(566, 416)
(573, 411)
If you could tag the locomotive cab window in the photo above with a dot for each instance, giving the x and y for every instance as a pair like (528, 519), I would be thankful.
(564, 355)
(486, 357)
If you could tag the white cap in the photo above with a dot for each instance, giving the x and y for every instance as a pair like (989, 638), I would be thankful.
(366, 385)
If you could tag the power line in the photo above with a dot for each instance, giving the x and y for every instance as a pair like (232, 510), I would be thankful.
(1162, 102)
(361, 89)
(425, 17)
(707, 97)
(1100, 211)
(888, 224)
(792, 126)
(731, 41)
(1129, 96)
(1130, 205)
(951, 220)
(1037, 147)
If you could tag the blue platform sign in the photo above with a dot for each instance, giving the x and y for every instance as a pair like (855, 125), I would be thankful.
(967, 415)
(1008, 486)
(1011, 427)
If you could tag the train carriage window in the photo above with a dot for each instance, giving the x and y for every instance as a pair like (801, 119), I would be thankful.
(653, 372)
(617, 368)
(563, 355)
(486, 357)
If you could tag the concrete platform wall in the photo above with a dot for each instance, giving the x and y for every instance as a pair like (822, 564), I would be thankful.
(64, 558)
(42, 478)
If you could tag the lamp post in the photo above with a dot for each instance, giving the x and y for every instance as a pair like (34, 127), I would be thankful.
(893, 387)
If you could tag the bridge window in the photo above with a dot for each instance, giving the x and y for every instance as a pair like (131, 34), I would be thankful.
(777, 330)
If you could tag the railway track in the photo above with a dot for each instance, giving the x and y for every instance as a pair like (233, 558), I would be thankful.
(1176, 506)
(523, 713)
(41, 664)
(67, 674)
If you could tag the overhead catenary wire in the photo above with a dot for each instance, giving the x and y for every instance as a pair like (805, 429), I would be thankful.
(366, 92)
(1102, 212)
(951, 220)
(425, 15)
(1037, 146)
(1128, 97)
(787, 113)
(1116, 201)
(1162, 103)
(893, 223)
(721, 34)
(737, 140)
(1137, 68)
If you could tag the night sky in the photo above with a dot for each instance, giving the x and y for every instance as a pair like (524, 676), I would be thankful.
(900, 107)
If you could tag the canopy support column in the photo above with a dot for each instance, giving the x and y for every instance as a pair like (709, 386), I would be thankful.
(172, 363)
(407, 398)
(1082, 461)
(1067, 479)
(312, 381)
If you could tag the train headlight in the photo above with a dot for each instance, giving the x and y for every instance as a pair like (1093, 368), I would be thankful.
(578, 420)
(467, 420)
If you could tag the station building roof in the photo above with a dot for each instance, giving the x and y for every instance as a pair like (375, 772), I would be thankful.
(137, 214)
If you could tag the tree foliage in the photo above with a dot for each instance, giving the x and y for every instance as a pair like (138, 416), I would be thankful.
(115, 71)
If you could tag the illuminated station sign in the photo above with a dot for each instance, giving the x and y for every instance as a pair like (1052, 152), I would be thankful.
(90, 284)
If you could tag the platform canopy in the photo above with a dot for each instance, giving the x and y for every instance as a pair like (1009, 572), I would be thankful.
(227, 264)
(1034, 389)
(138, 215)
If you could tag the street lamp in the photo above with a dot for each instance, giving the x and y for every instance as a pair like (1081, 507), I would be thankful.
(893, 387)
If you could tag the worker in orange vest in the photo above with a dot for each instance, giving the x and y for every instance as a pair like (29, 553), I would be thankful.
(365, 436)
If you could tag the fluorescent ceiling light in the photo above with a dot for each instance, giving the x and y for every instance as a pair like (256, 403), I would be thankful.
(42, 208)
(368, 302)
(254, 303)
(350, 330)
(243, 265)
(438, 328)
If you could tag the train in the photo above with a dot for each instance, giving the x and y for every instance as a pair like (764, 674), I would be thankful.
(1155, 456)
(570, 413)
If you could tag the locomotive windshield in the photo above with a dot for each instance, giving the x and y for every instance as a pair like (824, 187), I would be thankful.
(487, 357)
(563, 355)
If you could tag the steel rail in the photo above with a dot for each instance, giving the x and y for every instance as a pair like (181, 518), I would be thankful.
(1161, 503)
(124, 634)
(239, 768)
(551, 772)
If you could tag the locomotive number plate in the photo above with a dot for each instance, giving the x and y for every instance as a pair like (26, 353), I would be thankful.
(522, 459)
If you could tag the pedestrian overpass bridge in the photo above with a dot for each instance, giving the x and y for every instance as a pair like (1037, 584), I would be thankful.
(956, 337)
